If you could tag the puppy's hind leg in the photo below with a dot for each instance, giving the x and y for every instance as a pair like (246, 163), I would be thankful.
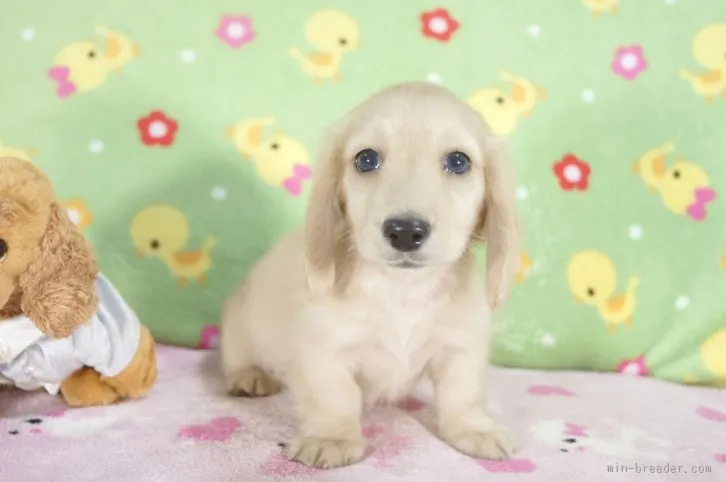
(251, 381)
(242, 376)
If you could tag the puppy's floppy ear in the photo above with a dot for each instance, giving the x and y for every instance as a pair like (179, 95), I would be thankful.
(322, 217)
(58, 287)
(500, 226)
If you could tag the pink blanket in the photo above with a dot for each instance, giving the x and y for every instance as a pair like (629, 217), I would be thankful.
(580, 426)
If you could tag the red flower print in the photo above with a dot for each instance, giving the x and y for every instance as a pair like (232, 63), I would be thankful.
(209, 337)
(438, 24)
(157, 129)
(635, 367)
(572, 172)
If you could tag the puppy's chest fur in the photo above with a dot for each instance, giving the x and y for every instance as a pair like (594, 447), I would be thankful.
(401, 332)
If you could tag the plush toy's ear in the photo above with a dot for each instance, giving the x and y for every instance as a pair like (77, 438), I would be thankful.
(58, 288)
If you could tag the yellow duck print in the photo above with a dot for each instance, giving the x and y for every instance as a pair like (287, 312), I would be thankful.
(684, 187)
(713, 355)
(332, 34)
(723, 259)
(592, 278)
(279, 159)
(598, 7)
(709, 50)
(500, 109)
(22, 154)
(525, 267)
(84, 66)
(162, 231)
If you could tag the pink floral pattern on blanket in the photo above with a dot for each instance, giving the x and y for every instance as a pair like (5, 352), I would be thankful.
(187, 429)
(217, 430)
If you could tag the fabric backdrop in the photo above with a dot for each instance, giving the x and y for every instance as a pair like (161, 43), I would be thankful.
(181, 139)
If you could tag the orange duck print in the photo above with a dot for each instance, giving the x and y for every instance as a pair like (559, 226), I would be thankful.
(162, 231)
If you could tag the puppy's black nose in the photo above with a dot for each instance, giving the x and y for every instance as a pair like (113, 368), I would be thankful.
(406, 234)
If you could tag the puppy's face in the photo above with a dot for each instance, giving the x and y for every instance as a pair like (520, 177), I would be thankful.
(412, 179)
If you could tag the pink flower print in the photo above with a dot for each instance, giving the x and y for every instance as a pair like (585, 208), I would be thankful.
(279, 466)
(720, 458)
(550, 390)
(235, 31)
(293, 185)
(575, 430)
(61, 75)
(217, 430)
(382, 449)
(703, 196)
(56, 413)
(209, 338)
(711, 414)
(411, 404)
(512, 466)
(629, 62)
(634, 367)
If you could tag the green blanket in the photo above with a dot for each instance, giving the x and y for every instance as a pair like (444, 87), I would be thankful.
(181, 136)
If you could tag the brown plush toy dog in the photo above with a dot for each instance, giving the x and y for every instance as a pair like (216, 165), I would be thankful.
(63, 326)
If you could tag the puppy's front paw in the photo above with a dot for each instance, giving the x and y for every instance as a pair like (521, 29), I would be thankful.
(325, 453)
(493, 444)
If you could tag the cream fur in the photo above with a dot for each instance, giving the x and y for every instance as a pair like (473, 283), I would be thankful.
(328, 314)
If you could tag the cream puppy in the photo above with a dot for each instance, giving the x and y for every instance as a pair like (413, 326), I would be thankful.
(380, 287)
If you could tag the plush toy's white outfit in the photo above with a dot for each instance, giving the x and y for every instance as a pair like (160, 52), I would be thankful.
(107, 343)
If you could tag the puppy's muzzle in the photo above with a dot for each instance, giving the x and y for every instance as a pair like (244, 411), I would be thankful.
(406, 234)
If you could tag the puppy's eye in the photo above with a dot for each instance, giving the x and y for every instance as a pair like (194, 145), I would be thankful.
(456, 162)
(3, 249)
(367, 160)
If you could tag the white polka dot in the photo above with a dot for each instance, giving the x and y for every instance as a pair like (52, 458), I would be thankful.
(188, 56)
(588, 95)
(27, 34)
(219, 193)
(236, 30)
(434, 78)
(629, 61)
(439, 25)
(548, 339)
(74, 216)
(522, 192)
(573, 173)
(631, 369)
(158, 129)
(534, 30)
(682, 302)
(96, 146)
(670, 2)
(635, 232)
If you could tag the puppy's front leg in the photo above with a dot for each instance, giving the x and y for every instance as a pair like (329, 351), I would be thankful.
(329, 404)
(462, 416)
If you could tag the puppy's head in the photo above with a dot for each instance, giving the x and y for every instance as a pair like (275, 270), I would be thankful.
(410, 179)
